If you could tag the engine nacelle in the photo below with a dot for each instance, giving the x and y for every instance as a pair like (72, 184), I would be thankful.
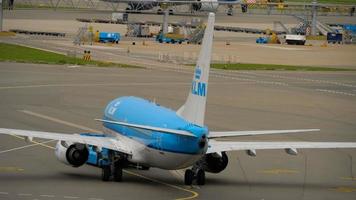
(215, 163)
(74, 155)
(206, 5)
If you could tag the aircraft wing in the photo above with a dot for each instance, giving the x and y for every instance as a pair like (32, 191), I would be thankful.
(220, 134)
(104, 142)
(150, 128)
(219, 146)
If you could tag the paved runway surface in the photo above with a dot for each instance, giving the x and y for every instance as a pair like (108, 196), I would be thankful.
(67, 99)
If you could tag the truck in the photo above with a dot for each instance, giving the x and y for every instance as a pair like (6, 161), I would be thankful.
(295, 39)
(106, 37)
(334, 38)
(170, 38)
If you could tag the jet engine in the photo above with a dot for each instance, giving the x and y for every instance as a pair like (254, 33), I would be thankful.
(206, 5)
(215, 163)
(74, 155)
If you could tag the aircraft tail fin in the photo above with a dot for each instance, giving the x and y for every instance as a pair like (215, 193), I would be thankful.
(194, 108)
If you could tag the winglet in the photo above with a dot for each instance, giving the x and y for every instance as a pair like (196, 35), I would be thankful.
(194, 108)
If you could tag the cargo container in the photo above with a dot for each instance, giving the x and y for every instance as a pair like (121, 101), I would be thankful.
(295, 39)
(170, 38)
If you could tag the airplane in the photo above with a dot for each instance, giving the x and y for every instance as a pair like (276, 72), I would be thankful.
(141, 133)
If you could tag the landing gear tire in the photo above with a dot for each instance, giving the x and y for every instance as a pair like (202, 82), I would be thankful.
(117, 172)
(188, 177)
(201, 177)
(105, 173)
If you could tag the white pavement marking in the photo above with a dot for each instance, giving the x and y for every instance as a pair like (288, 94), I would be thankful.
(92, 84)
(38, 48)
(70, 197)
(23, 147)
(58, 121)
(250, 80)
(179, 174)
(286, 48)
(278, 47)
(101, 47)
(47, 195)
(4, 193)
(126, 84)
(73, 66)
(335, 92)
(24, 194)
(234, 72)
(303, 79)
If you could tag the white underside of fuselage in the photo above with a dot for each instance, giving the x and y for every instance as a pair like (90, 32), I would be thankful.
(144, 155)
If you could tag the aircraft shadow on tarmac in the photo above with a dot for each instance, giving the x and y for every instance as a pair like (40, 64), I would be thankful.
(132, 179)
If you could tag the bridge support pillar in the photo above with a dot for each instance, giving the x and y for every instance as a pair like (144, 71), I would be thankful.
(165, 21)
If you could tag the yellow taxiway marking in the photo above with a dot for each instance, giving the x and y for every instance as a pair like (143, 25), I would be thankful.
(59, 121)
(344, 189)
(37, 143)
(11, 169)
(194, 194)
(26, 146)
(278, 171)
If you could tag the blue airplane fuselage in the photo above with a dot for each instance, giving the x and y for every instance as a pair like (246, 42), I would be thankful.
(140, 111)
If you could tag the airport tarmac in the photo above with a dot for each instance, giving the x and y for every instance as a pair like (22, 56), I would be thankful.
(153, 54)
(241, 49)
(65, 20)
(67, 99)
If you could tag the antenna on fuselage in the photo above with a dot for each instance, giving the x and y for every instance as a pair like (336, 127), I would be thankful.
(193, 109)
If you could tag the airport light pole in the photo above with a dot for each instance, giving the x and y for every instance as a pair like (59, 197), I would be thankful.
(314, 14)
(1, 15)
(165, 21)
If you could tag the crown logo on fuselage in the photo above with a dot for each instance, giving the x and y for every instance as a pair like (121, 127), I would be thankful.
(197, 72)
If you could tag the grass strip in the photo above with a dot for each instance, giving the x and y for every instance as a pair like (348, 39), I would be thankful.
(17, 53)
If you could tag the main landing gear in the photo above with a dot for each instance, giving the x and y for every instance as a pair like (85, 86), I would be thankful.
(194, 174)
(114, 170)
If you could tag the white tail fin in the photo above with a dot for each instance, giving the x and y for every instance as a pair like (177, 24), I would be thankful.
(194, 108)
